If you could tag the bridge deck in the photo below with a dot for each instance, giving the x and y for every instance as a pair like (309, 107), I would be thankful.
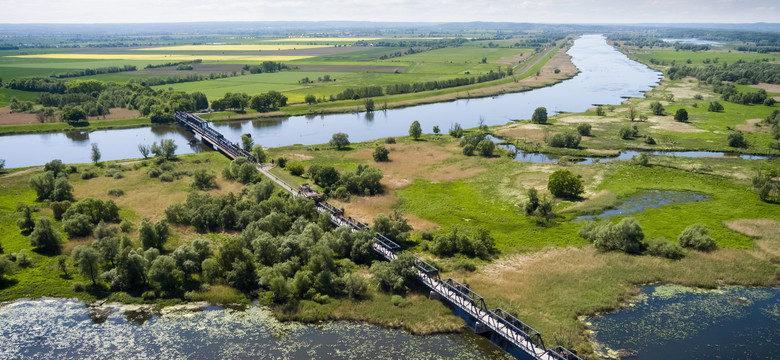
(501, 323)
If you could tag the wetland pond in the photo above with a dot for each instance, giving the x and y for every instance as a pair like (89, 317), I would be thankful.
(646, 199)
(63, 329)
(672, 322)
(606, 77)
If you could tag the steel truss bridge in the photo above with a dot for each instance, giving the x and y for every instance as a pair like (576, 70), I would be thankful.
(504, 329)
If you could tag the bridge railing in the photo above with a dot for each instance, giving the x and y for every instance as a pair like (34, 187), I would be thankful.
(427, 269)
(520, 330)
(561, 353)
(386, 243)
(466, 294)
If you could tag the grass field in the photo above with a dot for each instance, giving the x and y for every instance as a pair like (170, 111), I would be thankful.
(325, 39)
(696, 57)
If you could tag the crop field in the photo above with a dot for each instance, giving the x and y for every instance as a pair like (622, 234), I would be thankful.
(325, 39)
(697, 57)
(165, 57)
(244, 47)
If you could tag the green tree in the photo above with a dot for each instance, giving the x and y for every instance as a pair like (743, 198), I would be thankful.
(632, 112)
(563, 183)
(44, 237)
(246, 142)
(95, 155)
(584, 129)
(310, 99)
(369, 103)
(486, 148)
(88, 262)
(381, 154)
(259, 153)
(164, 272)
(737, 139)
(201, 102)
(681, 115)
(600, 111)
(436, 129)
(6, 267)
(415, 131)
(203, 180)
(296, 169)
(339, 140)
(108, 248)
(144, 149)
(43, 184)
(154, 235)
(456, 131)
(539, 116)
(73, 114)
(625, 236)
(26, 223)
(166, 150)
(715, 107)
(533, 201)
(657, 109)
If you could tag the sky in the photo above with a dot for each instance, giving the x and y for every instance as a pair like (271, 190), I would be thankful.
(534, 11)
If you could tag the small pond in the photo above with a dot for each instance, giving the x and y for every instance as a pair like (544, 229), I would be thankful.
(647, 199)
(669, 322)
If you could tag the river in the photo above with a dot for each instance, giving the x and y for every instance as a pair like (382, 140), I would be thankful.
(64, 329)
(606, 77)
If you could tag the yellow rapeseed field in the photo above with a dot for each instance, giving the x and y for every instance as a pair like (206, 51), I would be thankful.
(163, 57)
(332, 39)
(253, 47)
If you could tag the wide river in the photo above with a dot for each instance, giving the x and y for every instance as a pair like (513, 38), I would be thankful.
(606, 77)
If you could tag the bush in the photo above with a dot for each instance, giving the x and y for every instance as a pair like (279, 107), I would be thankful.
(281, 162)
(381, 153)
(399, 301)
(116, 192)
(78, 225)
(628, 132)
(154, 172)
(390, 140)
(568, 140)
(626, 235)
(468, 150)
(584, 129)
(78, 287)
(88, 174)
(203, 180)
(695, 236)
(296, 169)
(662, 248)
(486, 148)
(23, 258)
(737, 140)
(649, 140)
(642, 159)
(563, 183)
(166, 177)
(657, 108)
(715, 107)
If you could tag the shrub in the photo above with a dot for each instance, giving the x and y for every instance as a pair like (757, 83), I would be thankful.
(88, 174)
(281, 161)
(486, 148)
(203, 180)
(154, 172)
(584, 129)
(737, 140)
(381, 153)
(628, 132)
(657, 108)
(695, 236)
(662, 248)
(78, 225)
(296, 169)
(23, 258)
(166, 177)
(649, 140)
(715, 107)
(468, 150)
(78, 287)
(642, 159)
(563, 183)
(390, 140)
(568, 140)
(626, 235)
(116, 192)
(399, 301)
(456, 131)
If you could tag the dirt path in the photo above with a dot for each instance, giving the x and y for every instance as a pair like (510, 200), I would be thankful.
(27, 171)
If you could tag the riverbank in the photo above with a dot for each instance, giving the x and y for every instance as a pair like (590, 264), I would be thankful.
(549, 68)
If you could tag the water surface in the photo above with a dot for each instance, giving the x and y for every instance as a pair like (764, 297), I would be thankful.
(62, 329)
(669, 322)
